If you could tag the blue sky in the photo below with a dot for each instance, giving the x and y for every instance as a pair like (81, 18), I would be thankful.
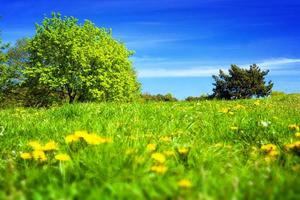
(179, 44)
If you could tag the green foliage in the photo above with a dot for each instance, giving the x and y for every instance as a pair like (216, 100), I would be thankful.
(4, 71)
(241, 83)
(222, 163)
(158, 97)
(200, 98)
(17, 58)
(80, 62)
(15, 91)
(2, 54)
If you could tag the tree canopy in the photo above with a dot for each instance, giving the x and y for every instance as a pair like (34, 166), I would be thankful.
(241, 83)
(80, 61)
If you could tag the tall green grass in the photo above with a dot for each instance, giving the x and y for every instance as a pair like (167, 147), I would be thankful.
(224, 159)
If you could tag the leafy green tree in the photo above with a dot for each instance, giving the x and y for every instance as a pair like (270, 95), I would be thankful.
(80, 61)
(241, 83)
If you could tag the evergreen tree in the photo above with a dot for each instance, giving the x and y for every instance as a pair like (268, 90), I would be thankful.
(241, 83)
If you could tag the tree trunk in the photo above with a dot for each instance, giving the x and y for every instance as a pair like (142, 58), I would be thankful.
(71, 99)
(71, 95)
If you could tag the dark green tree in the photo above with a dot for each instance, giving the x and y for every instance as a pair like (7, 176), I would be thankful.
(241, 83)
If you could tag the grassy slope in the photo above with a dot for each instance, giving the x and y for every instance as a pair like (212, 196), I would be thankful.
(222, 163)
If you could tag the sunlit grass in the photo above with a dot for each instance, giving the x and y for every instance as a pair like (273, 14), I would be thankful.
(246, 149)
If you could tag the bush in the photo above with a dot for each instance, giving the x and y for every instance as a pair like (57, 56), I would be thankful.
(159, 97)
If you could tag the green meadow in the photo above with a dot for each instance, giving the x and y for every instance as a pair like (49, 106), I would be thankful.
(243, 149)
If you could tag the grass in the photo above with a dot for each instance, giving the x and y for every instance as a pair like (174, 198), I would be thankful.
(211, 152)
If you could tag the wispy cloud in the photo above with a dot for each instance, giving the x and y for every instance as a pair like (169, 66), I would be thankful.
(278, 67)
(142, 43)
(278, 62)
(148, 41)
(196, 72)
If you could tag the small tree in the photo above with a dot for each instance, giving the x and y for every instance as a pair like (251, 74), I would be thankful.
(81, 62)
(241, 83)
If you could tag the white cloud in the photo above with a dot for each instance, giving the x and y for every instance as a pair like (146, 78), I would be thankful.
(196, 72)
(278, 62)
(278, 67)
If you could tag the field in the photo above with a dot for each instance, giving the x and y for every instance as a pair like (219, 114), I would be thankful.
(244, 149)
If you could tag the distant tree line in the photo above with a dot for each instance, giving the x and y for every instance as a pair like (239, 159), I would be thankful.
(158, 97)
(66, 62)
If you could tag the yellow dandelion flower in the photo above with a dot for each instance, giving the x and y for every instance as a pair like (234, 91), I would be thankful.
(257, 103)
(239, 106)
(62, 157)
(292, 146)
(297, 144)
(71, 138)
(81, 134)
(108, 140)
(39, 155)
(289, 147)
(160, 169)
(224, 110)
(165, 139)
(102, 140)
(35, 145)
(294, 127)
(268, 147)
(185, 183)
(159, 157)
(273, 153)
(297, 135)
(151, 147)
(26, 156)
(91, 139)
(50, 146)
(183, 150)
(94, 139)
